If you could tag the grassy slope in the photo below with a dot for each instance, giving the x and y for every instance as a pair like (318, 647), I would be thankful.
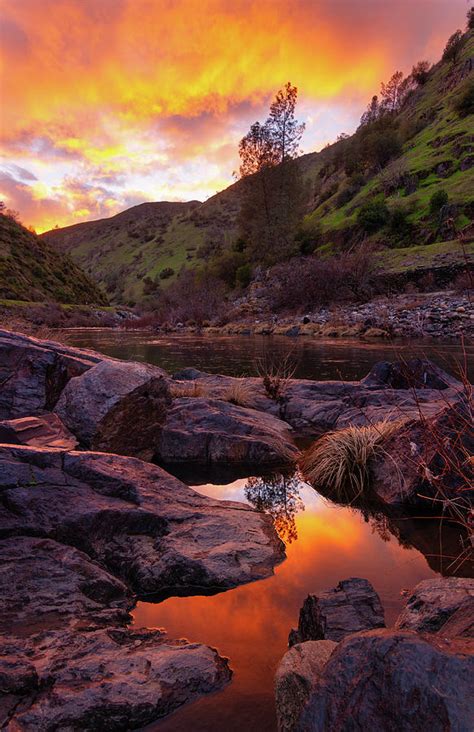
(117, 254)
(30, 269)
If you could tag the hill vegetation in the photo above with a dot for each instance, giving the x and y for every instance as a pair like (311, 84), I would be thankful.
(31, 269)
(404, 180)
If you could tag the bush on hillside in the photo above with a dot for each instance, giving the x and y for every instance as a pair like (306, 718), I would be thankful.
(373, 215)
(243, 276)
(453, 47)
(166, 273)
(420, 71)
(464, 100)
(437, 201)
(399, 224)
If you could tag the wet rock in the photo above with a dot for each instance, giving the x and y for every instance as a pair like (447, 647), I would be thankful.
(117, 406)
(297, 674)
(384, 680)
(33, 373)
(211, 431)
(350, 607)
(434, 602)
(46, 430)
(414, 374)
(135, 520)
(109, 679)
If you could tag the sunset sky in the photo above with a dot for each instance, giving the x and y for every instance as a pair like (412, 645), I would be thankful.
(108, 103)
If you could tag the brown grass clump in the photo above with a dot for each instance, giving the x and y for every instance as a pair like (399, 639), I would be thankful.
(276, 375)
(188, 389)
(240, 393)
(339, 462)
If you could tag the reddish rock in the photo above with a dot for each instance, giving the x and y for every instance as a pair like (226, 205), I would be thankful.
(435, 602)
(394, 680)
(350, 607)
(47, 430)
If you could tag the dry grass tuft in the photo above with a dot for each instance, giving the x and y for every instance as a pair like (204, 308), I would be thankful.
(189, 389)
(240, 393)
(276, 374)
(339, 462)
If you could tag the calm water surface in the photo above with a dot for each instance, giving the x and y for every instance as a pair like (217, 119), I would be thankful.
(238, 355)
(325, 542)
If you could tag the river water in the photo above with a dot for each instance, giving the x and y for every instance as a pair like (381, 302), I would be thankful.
(325, 542)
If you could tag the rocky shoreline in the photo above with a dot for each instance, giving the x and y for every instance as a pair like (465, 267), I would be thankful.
(90, 522)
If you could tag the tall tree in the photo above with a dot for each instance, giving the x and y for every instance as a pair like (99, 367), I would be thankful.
(453, 47)
(371, 113)
(392, 92)
(272, 193)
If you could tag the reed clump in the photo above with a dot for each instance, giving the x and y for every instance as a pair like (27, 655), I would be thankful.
(339, 462)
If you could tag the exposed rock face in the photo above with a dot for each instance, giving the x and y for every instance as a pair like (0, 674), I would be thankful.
(350, 607)
(33, 373)
(298, 673)
(97, 502)
(112, 679)
(79, 532)
(394, 680)
(414, 374)
(117, 406)
(46, 430)
(211, 431)
(434, 602)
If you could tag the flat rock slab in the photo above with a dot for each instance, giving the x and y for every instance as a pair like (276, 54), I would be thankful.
(135, 520)
(33, 373)
(350, 607)
(117, 406)
(435, 602)
(209, 431)
(298, 673)
(46, 430)
(391, 681)
(107, 679)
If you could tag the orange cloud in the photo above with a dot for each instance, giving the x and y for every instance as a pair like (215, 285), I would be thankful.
(121, 84)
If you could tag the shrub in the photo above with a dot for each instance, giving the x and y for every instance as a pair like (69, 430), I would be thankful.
(438, 200)
(373, 215)
(464, 100)
(243, 275)
(166, 273)
(339, 462)
(399, 224)
(420, 71)
(453, 47)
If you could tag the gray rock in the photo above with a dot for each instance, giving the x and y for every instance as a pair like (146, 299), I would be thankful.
(394, 680)
(117, 406)
(434, 602)
(211, 431)
(135, 520)
(298, 673)
(350, 607)
(33, 373)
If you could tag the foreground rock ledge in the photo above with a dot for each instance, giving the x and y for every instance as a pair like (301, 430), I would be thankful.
(81, 535)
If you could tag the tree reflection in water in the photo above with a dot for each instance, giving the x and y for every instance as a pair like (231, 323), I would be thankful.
(279, 496)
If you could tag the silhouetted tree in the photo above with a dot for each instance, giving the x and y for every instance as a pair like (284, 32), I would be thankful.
(392, 92)
(453, 47)
(372, 112)
(470, 19)
(272, 197)
(419, 72)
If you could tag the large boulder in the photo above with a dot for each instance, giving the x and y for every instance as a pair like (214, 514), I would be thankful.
(33, 373)
(117, 406)
(135, 520)
(434, 602)
(297, 674)
(435, 454)
(107, 679)
(209, 431)
(46, 430)
(393, 680)
(350, 607)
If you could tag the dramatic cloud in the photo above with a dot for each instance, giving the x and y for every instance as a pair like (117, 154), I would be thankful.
(153, 95)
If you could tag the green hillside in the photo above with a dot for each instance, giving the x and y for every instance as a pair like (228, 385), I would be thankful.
(30, 269)
(433, 135)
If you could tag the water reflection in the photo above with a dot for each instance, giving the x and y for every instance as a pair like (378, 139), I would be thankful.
(250, 623)
(279, 496)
